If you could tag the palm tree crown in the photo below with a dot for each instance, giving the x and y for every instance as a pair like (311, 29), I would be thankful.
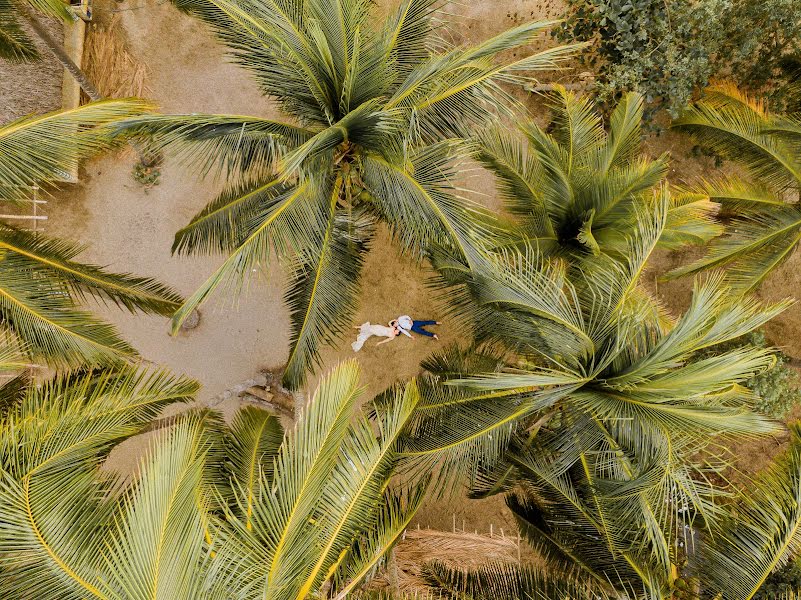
(378, 112)
(593, 406)
(577, 189)
(216, 512)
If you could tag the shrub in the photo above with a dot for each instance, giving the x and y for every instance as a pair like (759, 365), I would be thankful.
(665, 49)
(660, 49)
(783, 581)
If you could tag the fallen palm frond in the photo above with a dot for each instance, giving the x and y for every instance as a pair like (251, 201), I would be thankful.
(110, 66)
(403, 573)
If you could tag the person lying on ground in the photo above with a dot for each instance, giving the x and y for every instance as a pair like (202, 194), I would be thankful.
(367, 330)
(407, 324)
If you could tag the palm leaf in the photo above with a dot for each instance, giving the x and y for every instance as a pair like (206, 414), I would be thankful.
(287, 223)
(421, 203)
(303, 465)
(51, 259)
(157, 545)
(761, 534)
(325, 290)
(237, 147)
(510, 581)
(252, 443)
(51, 327)
(15, 44)
(272, 40)
(734, 126)
(396, 513)
(41, 150)
(57, 509)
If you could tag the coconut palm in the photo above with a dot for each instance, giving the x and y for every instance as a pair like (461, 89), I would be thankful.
(593, 400)
(577, 189)
(766, 219)
(216, 511)
(376, 111)
(42, 286)
(730, 557)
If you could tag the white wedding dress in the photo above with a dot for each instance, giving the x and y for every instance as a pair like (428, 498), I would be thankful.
(367, 330)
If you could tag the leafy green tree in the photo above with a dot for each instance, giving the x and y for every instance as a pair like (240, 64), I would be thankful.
(667, 50)
(760, 50)
(766, 219)
(215, 512)
(578, 190)
(42, 286)
(663, 50)
(377, 113)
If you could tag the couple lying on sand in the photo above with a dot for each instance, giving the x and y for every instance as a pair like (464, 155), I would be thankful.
(401, 325)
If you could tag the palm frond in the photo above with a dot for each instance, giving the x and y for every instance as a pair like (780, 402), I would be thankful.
(236, 147)
(690, 220)
(51, 327)
(157, 545)
(352, 496)
(272, 40)
(57, 509)
(762, 532)
(15, 44)
(304, 463)
(510, 581)
(756, 245)
(733, 126)
(422, 204)
(406, 35)
(42, 149)
(52, 260)
(251, 446)
(396, 512)
(325, 289)
(286, 223)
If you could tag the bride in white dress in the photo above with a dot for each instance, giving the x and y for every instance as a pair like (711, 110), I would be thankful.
(368, 330)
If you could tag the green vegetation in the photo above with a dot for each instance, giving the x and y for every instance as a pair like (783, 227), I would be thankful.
(217, 512)
(765, 217)
(379, 113)
(42, 287)
(667, 50)
(597, 414)
(778, 388)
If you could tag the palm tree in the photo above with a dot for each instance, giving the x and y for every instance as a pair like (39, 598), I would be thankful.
(41, 284)
(754, 531)
(765, 218)
(576, 189)
(589, 397)
(377, 116)
(216, 511)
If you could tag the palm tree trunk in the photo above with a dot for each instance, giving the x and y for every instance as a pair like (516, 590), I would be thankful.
(57, 51)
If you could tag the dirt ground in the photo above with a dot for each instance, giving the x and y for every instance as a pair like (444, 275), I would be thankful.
(130, 229)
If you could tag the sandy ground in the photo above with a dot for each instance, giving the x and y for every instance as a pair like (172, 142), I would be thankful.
(130, 229)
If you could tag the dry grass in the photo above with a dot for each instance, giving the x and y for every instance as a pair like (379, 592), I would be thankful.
(458, 550)
(109, 65)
